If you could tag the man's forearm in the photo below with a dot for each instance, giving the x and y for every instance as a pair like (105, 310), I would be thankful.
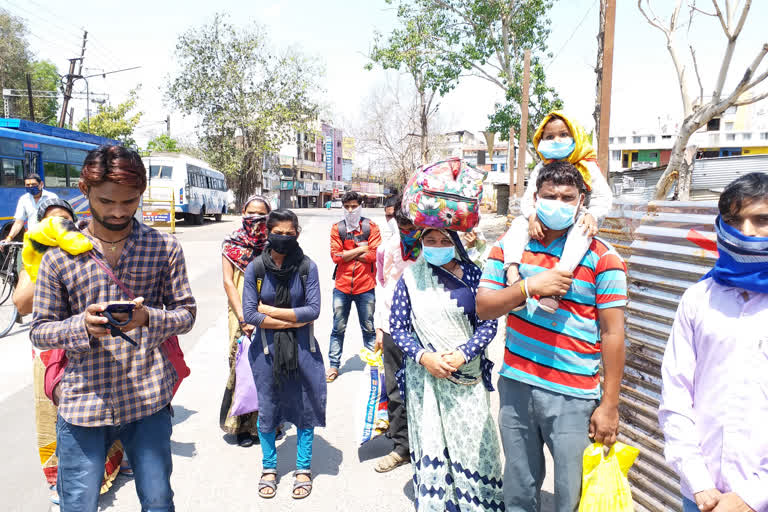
(495, 303)
(352, 254)
(613, 367)
(15, 229)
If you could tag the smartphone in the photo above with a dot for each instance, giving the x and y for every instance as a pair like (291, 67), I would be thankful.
(121, 307)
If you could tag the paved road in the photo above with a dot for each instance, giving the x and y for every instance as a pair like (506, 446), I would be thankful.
(210, 473)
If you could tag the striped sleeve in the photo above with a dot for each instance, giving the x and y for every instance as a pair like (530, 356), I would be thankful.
(493, 276)
(611, 280)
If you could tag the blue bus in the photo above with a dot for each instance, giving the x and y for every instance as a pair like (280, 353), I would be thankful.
(56, 154)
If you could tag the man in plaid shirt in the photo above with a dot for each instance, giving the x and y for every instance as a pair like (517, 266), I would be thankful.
(110, 388)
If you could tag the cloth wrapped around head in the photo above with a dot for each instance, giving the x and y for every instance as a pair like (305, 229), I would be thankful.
(247, 242)
(583, 150)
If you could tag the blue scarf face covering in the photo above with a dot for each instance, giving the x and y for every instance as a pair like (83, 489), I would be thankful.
(742, 260)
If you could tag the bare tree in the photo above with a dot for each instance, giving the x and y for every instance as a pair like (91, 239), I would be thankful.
(389, 130)
(699, 111)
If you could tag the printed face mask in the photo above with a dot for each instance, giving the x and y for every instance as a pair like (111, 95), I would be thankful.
(556, 150)
(438, 256)
(253, 224)
(409, 243)
(283, 244)
(555, 214)
(33, 190)
(352, 218)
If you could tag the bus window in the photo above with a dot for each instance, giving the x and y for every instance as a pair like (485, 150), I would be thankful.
(53, 153)
(10, 147)
(161, 171)
(12, 172)
(73, 174)
(76, 156)
(55, 174)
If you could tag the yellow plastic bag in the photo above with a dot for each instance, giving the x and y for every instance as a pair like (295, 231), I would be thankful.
(604, 484)
(371, 358)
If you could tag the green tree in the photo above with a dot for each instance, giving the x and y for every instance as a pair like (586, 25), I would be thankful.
(45, 77)
(163, 143)
(14, 51)
(411, 46)
(116, 122)
(488, 39)
(250, 99)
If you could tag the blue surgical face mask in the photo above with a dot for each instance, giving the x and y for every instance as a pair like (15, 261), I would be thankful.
(555, 214)
(438, 256)
(556, 150)
(33, 190)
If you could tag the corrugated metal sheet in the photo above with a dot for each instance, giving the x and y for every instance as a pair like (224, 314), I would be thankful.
(657, 241)
(715, 173)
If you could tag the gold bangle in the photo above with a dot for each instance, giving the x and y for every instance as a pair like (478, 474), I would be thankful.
(522, 288)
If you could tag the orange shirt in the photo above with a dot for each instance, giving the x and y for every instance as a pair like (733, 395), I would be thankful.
(355, 276)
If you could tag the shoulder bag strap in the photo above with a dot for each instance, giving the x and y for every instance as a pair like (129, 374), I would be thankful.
(304, 275)
(112, 275)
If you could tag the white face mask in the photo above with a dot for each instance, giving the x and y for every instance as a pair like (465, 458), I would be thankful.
(352, 218)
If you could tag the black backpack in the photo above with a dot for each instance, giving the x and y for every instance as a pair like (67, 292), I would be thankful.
(365, 223)
(260, 270)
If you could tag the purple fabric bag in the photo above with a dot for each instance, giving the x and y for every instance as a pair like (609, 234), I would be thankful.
(245, 399)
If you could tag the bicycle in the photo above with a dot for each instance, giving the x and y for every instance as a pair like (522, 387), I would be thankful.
(9, 277)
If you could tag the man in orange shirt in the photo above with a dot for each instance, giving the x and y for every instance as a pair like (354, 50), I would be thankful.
(354, 241)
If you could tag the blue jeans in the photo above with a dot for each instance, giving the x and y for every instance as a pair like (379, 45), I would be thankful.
(304, 439)
(689, 506)
(342, 302)
(529, 418)
(82, 450)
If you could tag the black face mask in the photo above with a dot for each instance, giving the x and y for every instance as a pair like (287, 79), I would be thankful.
(283, 244)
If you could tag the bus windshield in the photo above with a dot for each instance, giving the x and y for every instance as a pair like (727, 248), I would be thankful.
(160, 171)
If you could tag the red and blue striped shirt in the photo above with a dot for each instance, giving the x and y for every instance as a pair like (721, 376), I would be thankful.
(561, 351)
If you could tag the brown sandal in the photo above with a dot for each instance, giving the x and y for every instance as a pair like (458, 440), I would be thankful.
(331, 375)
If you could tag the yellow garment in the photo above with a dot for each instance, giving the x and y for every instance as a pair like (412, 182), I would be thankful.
(581, 153)
(51, 232)
(371, 358)
(604, 484)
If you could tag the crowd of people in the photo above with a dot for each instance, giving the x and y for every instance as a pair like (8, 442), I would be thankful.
(111, 293)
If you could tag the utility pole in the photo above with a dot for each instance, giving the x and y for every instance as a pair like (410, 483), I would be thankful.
(29, 97)
(168, 125)
(520, 189)
(70, 81)
(604, 126)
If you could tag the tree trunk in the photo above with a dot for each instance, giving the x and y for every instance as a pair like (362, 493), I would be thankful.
(424, 122)
(676, 159)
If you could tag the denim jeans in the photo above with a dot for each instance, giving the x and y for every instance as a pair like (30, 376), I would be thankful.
(342, 302)
(689, 506)
(304, 439)
(529, 418)
(82, 450)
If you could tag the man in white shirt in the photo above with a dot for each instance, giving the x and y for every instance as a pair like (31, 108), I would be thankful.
(714, 407)
(26, 208)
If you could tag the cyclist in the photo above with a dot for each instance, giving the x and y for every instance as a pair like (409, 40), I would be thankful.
(26, 208)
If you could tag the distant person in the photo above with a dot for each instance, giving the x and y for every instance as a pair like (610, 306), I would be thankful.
(26, 208)
(111, 388)
(451, 431)
(714, 398)
(239, 249)
(354, 242)
(282, 299)
(60, 231)
(394, 256)
(559, 139)
(550, 389)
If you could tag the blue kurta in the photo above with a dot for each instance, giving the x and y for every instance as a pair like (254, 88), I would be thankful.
(299, 400)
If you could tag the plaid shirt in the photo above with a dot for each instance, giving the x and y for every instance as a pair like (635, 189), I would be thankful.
(108, 381)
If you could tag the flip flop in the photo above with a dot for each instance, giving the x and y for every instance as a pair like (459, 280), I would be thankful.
(549, 304)
(302, 485)
(331, 375)
(390, 461)
(268, 484)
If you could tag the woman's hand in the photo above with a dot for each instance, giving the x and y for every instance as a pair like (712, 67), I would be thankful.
(589, 224)
(247, 329)
(265, 310)
(455, 358)
(436, 365)
(535, 228)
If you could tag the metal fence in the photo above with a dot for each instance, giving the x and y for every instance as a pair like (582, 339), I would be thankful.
(668, 247)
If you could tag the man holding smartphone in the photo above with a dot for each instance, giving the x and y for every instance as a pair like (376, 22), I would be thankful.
(112, 389)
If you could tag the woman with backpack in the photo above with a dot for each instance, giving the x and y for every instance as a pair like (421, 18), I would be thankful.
(282, 299)
(453, 437)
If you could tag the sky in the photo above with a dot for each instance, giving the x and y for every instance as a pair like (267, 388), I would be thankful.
(340, 32)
